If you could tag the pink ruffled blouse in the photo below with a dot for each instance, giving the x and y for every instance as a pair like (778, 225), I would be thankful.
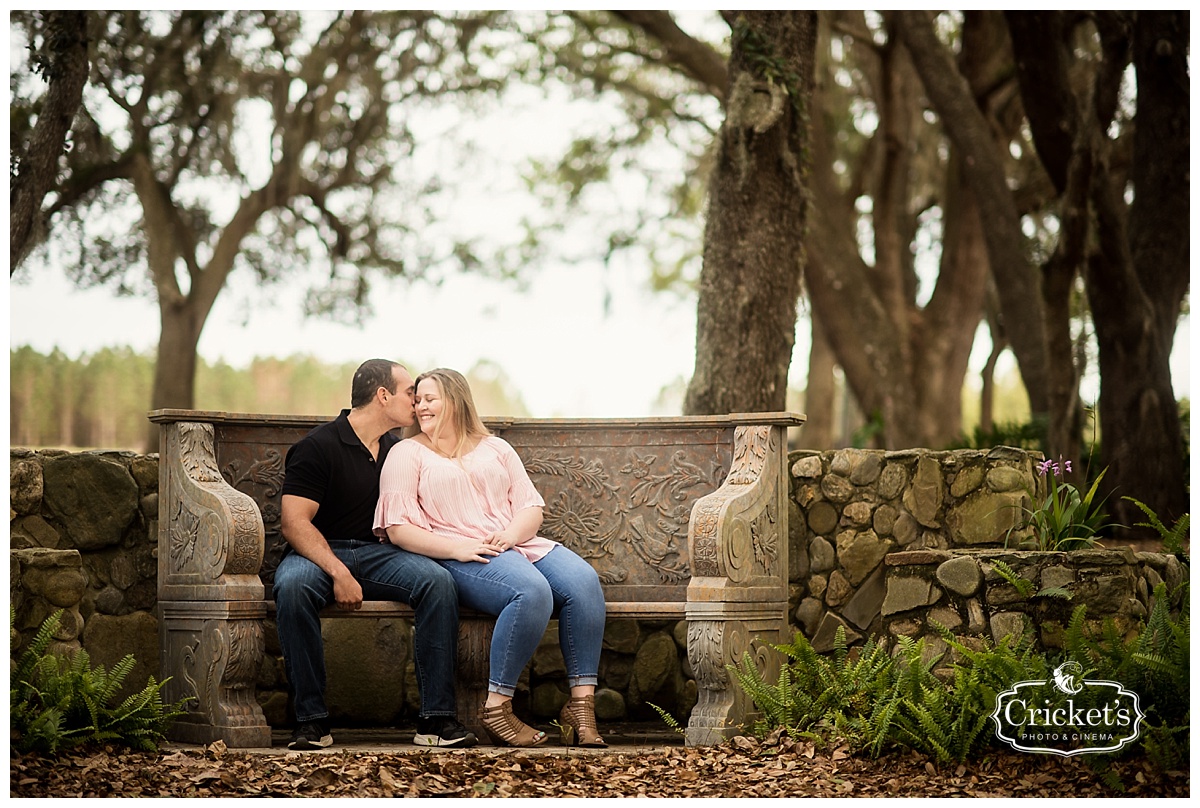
(481, 496)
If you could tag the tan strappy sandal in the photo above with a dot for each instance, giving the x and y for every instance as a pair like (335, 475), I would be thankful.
(578, 721)
(505, 729)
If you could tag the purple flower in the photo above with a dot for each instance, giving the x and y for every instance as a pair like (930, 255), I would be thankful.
(1055, 467)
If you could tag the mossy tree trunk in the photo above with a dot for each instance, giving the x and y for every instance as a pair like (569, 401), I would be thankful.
(753, 241)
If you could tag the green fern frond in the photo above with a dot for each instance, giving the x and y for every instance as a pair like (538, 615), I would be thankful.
(1173, 537)
(667, 718)
(1024, 586)
(116, 677)
(1157, 663)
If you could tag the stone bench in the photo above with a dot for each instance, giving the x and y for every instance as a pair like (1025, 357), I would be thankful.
(682, 518)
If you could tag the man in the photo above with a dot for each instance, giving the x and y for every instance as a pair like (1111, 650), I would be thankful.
(330, 487)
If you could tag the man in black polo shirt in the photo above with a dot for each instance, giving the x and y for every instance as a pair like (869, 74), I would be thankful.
(330, 487)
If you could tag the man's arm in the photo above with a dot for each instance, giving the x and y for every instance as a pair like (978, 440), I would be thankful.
(296, 523)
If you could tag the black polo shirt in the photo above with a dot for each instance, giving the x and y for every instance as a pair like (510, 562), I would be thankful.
(331, 467)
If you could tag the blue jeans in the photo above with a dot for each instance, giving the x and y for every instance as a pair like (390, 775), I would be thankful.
(523, 596)
(385, 572)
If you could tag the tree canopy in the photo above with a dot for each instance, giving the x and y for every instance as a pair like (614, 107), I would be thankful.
(1016, 169)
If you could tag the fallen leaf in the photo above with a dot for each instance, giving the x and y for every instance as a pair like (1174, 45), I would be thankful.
(323, 776)
(389, 780)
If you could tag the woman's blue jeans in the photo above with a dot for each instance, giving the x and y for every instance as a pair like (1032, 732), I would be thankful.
(385, 572)
(524, 596)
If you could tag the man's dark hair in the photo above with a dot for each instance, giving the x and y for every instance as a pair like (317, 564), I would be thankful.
(370, 376)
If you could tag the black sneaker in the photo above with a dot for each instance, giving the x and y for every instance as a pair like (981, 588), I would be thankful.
(443, 730)
(311, 735)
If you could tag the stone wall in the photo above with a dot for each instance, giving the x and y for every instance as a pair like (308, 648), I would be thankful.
(83, 530)
(855, 506)
(962, 591)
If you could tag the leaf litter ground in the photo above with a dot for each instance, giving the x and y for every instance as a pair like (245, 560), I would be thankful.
(743, 767)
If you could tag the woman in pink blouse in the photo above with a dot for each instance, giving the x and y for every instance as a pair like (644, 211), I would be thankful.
(459, 494)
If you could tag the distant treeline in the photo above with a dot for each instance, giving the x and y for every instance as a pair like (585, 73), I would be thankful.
(100, 400)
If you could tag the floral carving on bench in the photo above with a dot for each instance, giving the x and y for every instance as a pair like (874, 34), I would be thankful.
(641, 492)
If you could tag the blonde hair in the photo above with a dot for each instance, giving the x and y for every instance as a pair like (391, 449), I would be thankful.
(458, 406)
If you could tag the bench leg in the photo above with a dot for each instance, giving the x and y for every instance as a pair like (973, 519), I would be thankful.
(723, 709)
(212, 651)
(470, 687)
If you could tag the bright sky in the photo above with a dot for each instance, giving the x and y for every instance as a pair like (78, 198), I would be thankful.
(564, 355)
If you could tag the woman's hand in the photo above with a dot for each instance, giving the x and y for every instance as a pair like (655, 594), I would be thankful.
(503, 540)
(472, 550)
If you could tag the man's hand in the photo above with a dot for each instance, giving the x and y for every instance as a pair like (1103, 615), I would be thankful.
(347, 592)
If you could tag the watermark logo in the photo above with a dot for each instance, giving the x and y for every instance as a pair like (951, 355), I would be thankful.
(1067, 714)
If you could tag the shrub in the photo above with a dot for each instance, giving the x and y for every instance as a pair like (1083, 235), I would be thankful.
(59, 702)
(875, 701)
(819, 695)
(1156, 664)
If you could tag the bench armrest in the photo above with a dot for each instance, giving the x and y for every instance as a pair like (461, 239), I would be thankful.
(210, 535)
(736, 534)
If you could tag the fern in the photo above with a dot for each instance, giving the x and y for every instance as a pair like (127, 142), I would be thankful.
(1172, 537)
(56, 702)
(1024, 586)
(948, 721)
(1156, 664)
(833, 694)
(668, 719)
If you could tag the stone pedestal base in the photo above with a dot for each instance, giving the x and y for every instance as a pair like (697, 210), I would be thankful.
(211, 652)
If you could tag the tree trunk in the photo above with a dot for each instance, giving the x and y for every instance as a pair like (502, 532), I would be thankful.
(1061, 123)
(905, 363)
(180, 321)
(946, 329)
(65, 50)
(753, 250)
(819, 392)
(1135, 289)
(175, 362)
(1016, 282)
(1137, 265)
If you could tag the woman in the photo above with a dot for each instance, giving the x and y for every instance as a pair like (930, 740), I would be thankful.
(459, 494)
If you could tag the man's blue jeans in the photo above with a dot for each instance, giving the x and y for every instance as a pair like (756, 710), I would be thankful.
(523, 596)
(385, 572)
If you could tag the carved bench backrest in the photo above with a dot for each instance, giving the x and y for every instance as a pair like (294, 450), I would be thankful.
(619, 496)
(619, 492)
